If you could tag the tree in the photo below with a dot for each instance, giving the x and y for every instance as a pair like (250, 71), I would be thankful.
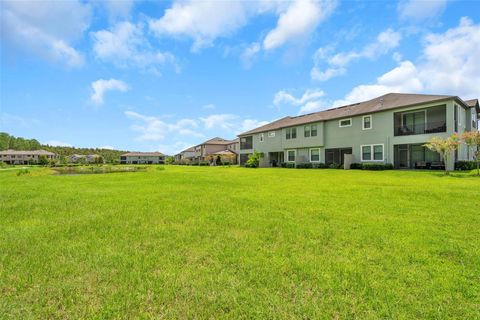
(218, 161)
(170, 160)
(445, 147)
(254, 160)
(42, 160)
(472, 140)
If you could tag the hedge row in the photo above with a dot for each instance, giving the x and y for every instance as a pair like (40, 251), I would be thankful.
(359, 166)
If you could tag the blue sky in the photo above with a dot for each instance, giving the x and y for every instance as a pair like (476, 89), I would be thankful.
(144, 75)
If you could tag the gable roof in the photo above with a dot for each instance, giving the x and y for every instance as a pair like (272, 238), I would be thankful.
(217, 140)
(473, 103)
(27, 152)
(385, 102)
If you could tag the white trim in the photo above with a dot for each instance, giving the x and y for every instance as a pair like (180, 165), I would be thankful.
(363, 122)
(294, 150)
(340, 122)
(271, 134)
(310, 154)
(372, 152)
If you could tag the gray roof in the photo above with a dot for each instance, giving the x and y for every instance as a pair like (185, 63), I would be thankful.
(473, 103)
(385, 102)
(27, 152)
(217, 141)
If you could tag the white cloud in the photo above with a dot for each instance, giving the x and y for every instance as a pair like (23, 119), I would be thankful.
(195, 20)
(209, 106)
(249, 54)
(310, 101)
(101, 86)
(420, 10)
(46, 28)
(202, 21)
(155, 129)
(283, 97)
(249, 124)
(298, 21)
(385, 41)
(56, 143)
(126, 46)
(223, 121)
(450, 64)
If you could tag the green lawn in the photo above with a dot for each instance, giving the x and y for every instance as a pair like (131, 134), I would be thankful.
(200, 242)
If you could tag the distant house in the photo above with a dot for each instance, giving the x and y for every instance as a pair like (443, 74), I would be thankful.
(89, 158)
(25, 157)
(142, 158)
(209, 150)
(187, 154)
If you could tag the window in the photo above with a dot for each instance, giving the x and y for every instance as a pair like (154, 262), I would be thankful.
(261, 137)
(313, 131)
(291, 155)
(306, 131)
(373, 152)
(271, 134)
(291, 133)
(367, 122)
(345, 123)
(315, 155)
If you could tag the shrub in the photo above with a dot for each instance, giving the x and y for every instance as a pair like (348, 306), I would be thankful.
(204, 163)
(465, 165)
(170, 160)
(306, 165)
(319, 165)
(194, 163)
(22, 172)
(254, 160)
(377, 166)
(335, 166)
(356, 166)
(226, 163)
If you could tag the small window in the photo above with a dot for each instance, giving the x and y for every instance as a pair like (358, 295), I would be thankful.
(367, 122)
(288, 133)
(291, 155)
(306, 131)
(271, 134)
(315, 155)
(313, 130)
(294, 133)
(345, 123)
(261, 137)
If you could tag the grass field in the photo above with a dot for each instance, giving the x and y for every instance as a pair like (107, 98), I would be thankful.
(200, 242)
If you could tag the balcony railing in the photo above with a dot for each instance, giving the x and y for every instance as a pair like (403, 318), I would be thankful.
(421, 128)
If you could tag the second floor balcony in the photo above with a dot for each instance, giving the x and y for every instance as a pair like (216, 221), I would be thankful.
(421, 121)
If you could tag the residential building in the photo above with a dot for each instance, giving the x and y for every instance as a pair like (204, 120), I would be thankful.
(89, 158)
(209, 150)
(388, 129)
(25, 157)
(187, 154)
(142, 158)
